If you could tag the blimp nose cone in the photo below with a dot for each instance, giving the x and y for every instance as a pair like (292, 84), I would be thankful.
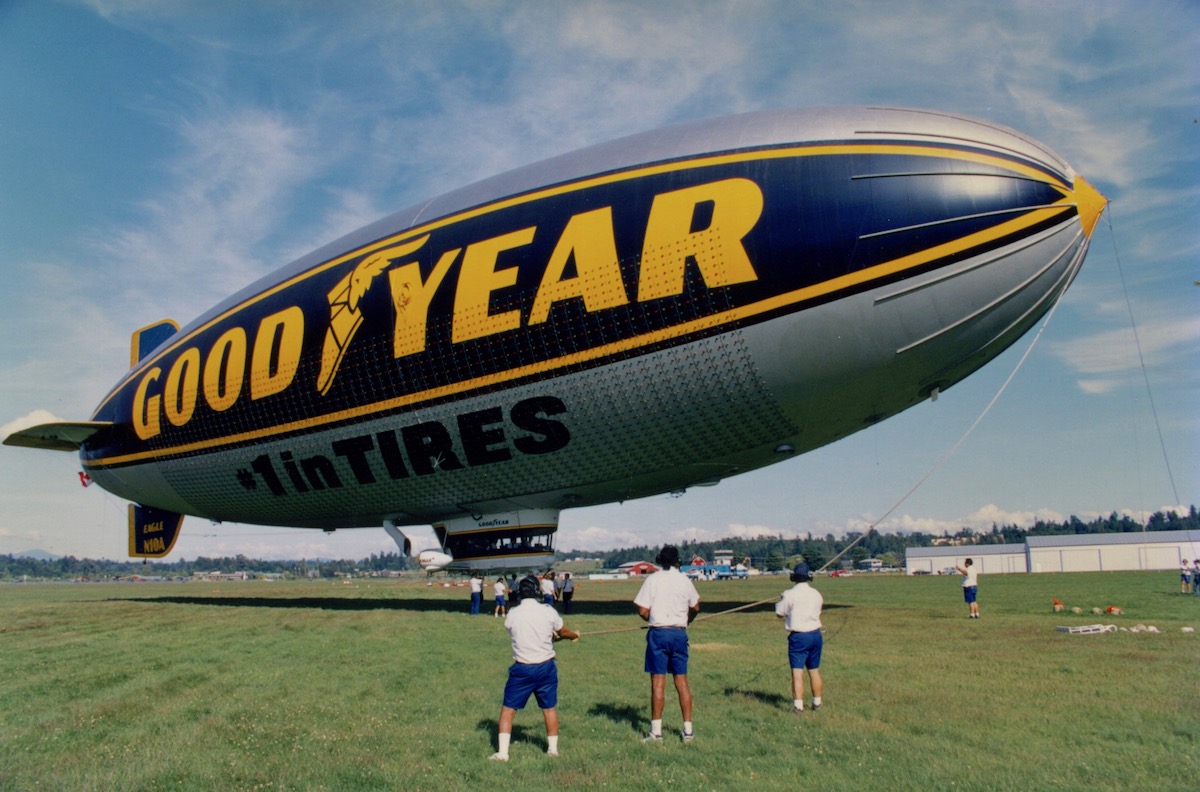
(1090, 202)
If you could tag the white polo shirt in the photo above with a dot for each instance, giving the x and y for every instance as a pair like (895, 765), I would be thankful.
(801, 608)
(669, 594)
(532, 625)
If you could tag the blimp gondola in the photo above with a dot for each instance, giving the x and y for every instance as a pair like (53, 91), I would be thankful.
(650, 314)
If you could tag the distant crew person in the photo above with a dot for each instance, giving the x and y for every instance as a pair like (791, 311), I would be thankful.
(548, 588)
(500, 589)
(800, 607)
(568, 591)
(534, 626)
(476, 593)
(668, 600)
(970, 587)
(1185, 578)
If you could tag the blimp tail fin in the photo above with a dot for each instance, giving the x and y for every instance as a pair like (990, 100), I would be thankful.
(61, 436)
(152, 532)
(145, 340)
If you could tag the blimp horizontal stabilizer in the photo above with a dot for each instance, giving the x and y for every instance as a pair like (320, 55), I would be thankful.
(63, 436)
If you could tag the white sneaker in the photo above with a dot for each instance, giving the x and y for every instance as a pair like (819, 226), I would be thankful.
(498, 757)
(551, 753)
(653, 738)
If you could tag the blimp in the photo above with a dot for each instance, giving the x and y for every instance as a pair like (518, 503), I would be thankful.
(658, 312)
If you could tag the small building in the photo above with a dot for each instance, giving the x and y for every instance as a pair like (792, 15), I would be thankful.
(633, 568)
(870, 565)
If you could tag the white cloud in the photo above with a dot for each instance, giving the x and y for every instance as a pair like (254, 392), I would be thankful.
(228, 194)
(1109, 352)
(595, 537)
(33, 418)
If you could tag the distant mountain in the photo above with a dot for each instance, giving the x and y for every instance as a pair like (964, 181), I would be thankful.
(39, 555)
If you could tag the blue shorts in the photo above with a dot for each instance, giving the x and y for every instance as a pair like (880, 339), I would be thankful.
(969, 593)
(500, 602)
(667, 651)
(537, 679)
(804, 649)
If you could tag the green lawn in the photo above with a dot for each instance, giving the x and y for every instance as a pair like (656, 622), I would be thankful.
(390, 685)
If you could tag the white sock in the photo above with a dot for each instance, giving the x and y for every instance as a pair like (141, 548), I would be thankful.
(503, 744)
(553, 744)
(798, 703)
(687, 727)
(816, 701)
(656, 726)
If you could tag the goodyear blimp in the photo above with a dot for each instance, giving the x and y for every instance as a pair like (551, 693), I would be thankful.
(642, 316)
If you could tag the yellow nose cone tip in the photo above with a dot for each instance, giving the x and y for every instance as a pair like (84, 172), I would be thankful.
(1090, 203)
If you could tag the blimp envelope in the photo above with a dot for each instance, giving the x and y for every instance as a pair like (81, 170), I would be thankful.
(642, 316)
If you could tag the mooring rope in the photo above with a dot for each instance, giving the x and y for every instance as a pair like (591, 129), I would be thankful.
(1137, 342)
(954, 448)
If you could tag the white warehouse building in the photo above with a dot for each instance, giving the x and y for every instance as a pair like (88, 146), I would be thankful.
(1112, 552)
(989, 559)
(1146, 550)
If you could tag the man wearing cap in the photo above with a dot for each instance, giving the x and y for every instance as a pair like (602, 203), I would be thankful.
(800, 607)
(534, 626)
(668, 601)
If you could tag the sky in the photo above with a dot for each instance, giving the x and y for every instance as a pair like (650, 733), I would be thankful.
(156, 157)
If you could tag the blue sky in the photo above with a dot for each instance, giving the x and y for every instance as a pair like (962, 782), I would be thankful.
(155, 157)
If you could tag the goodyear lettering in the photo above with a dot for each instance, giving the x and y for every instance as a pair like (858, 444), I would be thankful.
(735, 206)
(478, 280)
(182, 386)
(273, 364)
(588, 241)
(485, 437)
(702, 226)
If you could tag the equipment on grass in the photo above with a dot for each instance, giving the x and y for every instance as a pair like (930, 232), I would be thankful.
(1089, 629)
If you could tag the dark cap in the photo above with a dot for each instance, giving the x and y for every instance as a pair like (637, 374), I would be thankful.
(801, 573)
(528, 587)
(668, 557)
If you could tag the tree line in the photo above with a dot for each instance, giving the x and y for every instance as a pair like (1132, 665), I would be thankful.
(768, 552)
(70, 567)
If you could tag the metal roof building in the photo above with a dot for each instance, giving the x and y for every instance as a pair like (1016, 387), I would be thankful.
(1110, 552)
(989, 559)
(1145, 550)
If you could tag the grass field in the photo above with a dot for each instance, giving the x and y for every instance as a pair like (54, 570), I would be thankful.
(390, 685)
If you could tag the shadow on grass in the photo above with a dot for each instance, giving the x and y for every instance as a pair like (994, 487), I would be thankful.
(520, 734)
(773, 700)
(621, 713)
